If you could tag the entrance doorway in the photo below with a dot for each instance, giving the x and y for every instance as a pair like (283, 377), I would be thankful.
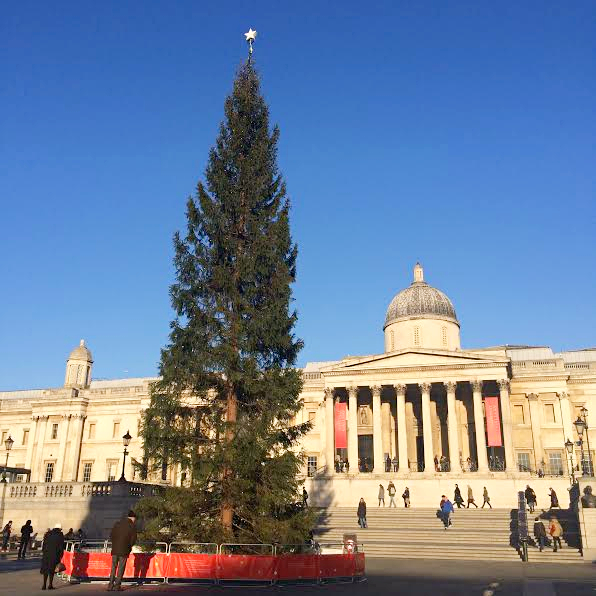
(365, 453)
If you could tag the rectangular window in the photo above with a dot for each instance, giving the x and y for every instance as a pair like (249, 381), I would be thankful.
(116, 431)
(87, 467)
(111, 468)
(54, 435)
(518, 415)
(91, 431)
(49, 471)
(312, 416)
(25, 436)
(311, 465)
(523, 462)
(555, 463)
(549, 413)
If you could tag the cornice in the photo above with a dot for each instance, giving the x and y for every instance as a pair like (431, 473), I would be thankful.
(407, 369)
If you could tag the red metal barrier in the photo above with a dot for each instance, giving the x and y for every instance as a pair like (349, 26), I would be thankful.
(67, 560)
(246, 567)
(139, 566)
(334, 566)
(292, 567)
(359, 565)
(192, 567)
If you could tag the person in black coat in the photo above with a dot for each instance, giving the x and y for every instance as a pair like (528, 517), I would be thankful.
(26, 532)
(457, 498)
(51, 555)
(362, 513)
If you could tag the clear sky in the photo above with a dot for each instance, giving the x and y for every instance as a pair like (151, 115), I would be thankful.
(457, 133)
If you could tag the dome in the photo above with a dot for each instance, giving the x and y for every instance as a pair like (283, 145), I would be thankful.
(420, 301)
(81, 352)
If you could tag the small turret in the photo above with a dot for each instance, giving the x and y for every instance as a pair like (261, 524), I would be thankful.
(78, 367)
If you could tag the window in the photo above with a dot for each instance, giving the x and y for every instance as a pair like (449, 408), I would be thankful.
(311, 465)
(444, 335)
(392, 340)
(54, 434)
(25, 436)
(111, 468)
(116, 430)
(312, 417)
(518, 414)
(555, 463)
(91, 431)
(49, 471)
(523, 462)
(416, 335)
(4, 437)
(87, 467)
(549, 413)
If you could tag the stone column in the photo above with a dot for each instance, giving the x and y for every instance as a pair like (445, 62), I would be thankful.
(566, 415)
(534, 404)
(43, 425)
(79, 422)
(329, 431)
(507, 425)
(31, 442)
(353, 429)
(64, 428)
(452, 430)
(379, 465)
(479, 426)
(427, 430)
(402, 438)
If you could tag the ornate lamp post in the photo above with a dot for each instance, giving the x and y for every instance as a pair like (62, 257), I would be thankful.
(8, 444)
(569, 446)
(581, 425)
(126, 441)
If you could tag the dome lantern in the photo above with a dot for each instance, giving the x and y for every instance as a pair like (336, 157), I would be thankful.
(78, 367)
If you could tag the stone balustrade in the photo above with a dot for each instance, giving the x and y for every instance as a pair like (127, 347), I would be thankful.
(66, 490)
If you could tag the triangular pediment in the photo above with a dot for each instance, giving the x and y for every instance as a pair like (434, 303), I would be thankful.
(414, 357)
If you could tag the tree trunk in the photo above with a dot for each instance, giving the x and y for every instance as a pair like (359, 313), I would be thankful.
(227, 508)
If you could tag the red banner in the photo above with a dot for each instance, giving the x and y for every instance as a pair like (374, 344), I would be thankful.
(248, 567)
(493, 421)
(341, 439)
(193, 567)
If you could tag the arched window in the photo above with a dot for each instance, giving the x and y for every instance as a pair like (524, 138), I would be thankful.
(416, 335)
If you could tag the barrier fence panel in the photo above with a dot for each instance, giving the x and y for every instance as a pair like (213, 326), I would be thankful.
(192, 562)
(246, 563)
(296, 563)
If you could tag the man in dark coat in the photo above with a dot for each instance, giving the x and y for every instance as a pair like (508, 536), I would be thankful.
(51, 555)
(362, 513)
(457, 498)
(540, 533)
(123, 537)
(26, 532)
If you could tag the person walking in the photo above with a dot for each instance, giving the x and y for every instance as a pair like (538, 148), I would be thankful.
(304, 497)
(446, 511)
(395, 463)
(406, 497)
(486, 498)
(381, 495)
(457, 498)
(530, 498)
(556, 531)
(6, 532)
(471, 498)
(539, 533)
(51, 555)
(554, 500)
(26, 532)
(362, 513)
(123, 537)
(391, 492)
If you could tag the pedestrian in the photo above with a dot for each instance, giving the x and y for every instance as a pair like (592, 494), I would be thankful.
(436, 460)
(446, 511)
(304, 497)
(6, 532)
(486, 499)
(80, 534)
(395, 462)
(388, 463)
(554, 500)
(530, 498)
(457, 498)
(471, 498)
(51, 555)
(406, 497)
(391, 492)
(26, 532)
(123, 537)
(362, 513)
(556, 531)
(381, 495)
(70, 535)
(539, 533)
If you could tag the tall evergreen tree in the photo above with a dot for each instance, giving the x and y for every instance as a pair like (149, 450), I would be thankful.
(229, 392)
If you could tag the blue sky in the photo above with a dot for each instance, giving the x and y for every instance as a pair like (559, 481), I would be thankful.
(460, 134)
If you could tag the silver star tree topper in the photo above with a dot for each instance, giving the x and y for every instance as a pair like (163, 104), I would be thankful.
(250, 37)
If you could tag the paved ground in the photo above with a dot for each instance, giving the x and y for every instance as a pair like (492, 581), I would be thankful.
(385, 577)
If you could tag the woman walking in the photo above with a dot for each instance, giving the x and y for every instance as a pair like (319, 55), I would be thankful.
(362, 513)
(486, 499)
(6, 531)
(471, 498)
(406, 497)
(457, 498)
(554, 500)
(51, 555)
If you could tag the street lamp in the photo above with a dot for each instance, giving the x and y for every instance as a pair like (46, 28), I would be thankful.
(126, 441)
(569, 446)
(8, 444)
(581, 425)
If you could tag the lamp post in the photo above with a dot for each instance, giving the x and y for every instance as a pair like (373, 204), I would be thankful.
(569, 446)
(8, 444)
(581, 425)
(126, 441)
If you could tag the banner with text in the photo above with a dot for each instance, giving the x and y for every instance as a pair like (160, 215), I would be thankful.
(341, 440)
(493, 421)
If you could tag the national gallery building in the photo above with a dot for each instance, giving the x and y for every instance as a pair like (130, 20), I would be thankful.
(425, 413)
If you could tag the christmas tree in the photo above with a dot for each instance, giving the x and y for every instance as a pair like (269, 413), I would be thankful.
(224, 408)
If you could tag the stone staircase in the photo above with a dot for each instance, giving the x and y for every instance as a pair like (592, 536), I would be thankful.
(476, 534)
